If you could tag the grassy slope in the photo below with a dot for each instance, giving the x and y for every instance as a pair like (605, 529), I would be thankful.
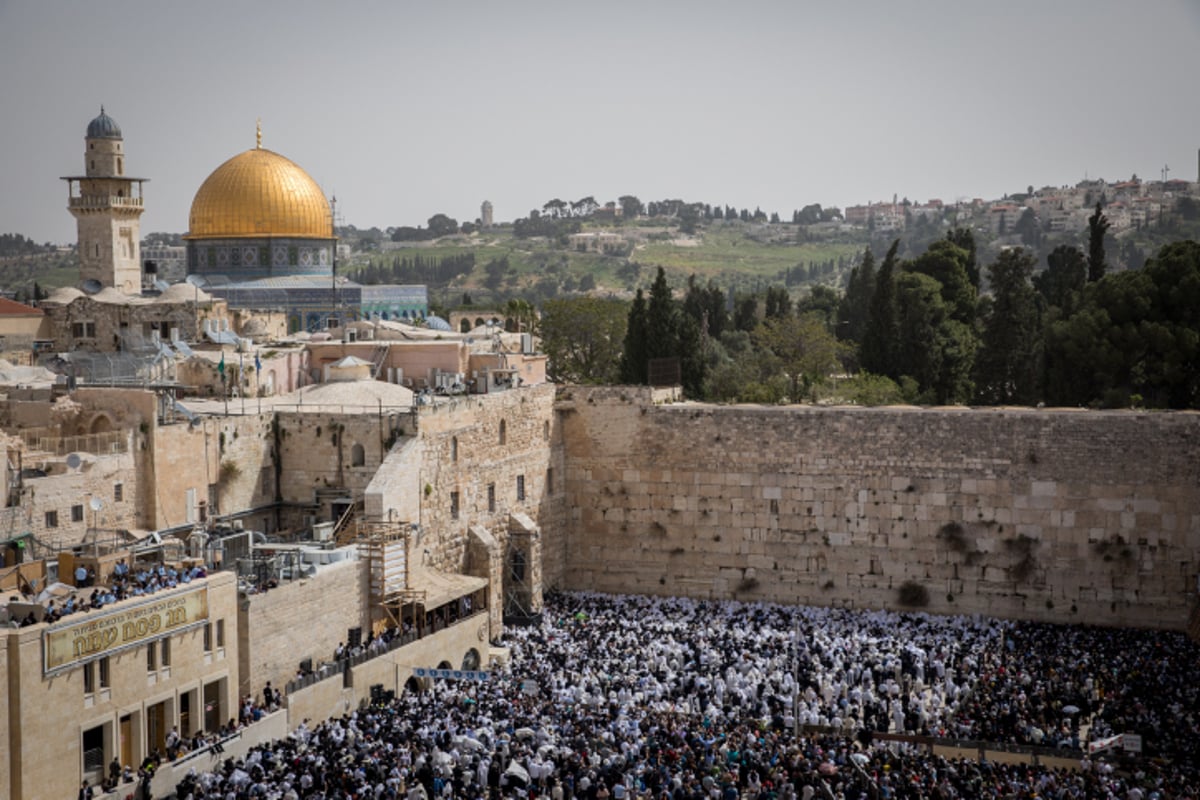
(731, 255)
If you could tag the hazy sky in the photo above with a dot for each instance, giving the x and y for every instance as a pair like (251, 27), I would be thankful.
(405, 109)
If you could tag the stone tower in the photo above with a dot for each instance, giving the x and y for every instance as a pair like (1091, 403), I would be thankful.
(107, 206)
(485, 214)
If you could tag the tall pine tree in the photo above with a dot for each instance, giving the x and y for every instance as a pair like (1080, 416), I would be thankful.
(635, 354)
(882, 331)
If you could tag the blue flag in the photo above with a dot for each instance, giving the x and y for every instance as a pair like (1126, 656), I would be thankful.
(257, 363)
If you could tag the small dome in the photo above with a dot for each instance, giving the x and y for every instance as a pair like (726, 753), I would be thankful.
(435, 323)
(259, 193)
(103, 127)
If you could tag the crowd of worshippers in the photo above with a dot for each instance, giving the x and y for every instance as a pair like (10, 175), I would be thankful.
(122, 585)
(634, 697)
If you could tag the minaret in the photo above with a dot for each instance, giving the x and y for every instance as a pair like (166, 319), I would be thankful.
(108, 209)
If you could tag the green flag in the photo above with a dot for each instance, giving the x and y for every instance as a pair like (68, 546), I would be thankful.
(221, 366)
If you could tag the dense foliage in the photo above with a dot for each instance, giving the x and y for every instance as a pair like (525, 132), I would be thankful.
(918, 330)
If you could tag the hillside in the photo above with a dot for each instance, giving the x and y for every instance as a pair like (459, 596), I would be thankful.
(496, 264)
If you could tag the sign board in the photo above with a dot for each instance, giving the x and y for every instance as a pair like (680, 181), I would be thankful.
(452, 674)
(1103, 744)
(86, 637)
(1129, 742)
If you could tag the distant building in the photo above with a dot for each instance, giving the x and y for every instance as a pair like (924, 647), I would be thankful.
(485, 214)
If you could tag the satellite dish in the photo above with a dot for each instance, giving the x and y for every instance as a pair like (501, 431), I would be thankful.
(73, 460)
(91, 286)
(95, 504)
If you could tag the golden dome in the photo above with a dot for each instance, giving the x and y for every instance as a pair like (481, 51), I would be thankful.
(259, 193)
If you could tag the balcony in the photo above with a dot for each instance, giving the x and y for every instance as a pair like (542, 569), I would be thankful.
(108, 201)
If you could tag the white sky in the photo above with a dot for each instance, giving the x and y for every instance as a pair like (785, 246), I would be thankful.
(406, 109)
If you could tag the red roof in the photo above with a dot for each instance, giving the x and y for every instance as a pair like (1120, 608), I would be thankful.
(12, 308)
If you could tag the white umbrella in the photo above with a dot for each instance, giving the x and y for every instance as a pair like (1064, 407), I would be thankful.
(1070, 709)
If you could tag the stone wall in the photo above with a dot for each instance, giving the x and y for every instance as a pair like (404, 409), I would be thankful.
(465, 456)
(1057, 515)
(300, 619)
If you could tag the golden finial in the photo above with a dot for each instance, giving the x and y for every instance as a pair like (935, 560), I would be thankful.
(258, 134)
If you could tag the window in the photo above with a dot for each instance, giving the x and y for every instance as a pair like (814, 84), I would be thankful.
(358, 455)
(208, 630)
(51, 519)
(89, 678)
(220, 633)
(491, 497)
(165, 655)
(105, 674)
(151, 662)
(118, 492)
(454, 448)
(454, 505)
(520, 487)
(546, 430)
(503, 432)
(549, 480)
(84, 330)
(77, 513)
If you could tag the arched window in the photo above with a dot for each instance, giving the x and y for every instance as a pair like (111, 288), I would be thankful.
(454, 448)
(471, 659)
(503, 432)
(546, 430)
(358, 455)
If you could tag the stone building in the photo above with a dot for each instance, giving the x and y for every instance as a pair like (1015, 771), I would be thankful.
(107, 205)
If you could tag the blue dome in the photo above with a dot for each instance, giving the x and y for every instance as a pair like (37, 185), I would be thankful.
(103, 127)
(435, 323)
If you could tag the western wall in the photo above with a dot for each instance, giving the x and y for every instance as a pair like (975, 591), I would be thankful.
(1056, 515)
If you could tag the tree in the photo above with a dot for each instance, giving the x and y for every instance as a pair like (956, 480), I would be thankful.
(1135, 333)
(1006, 370)
(946, 263)
(882, 332)
(855, 306)
(1063, 279)
(634, 350)
(745, 312)
(821, 300)
(806, 350)
(964, 238)
(935, 349)
(442, 225)
(582, 339)
(779, 304)
(661, 324)
(631, 207)
(1027, 228)
(706, 305)
(1098, 226)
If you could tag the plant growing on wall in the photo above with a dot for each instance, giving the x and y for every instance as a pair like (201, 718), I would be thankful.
(913, 595)
(229, 472)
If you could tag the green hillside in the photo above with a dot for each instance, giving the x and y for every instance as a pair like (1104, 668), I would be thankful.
(495, 265)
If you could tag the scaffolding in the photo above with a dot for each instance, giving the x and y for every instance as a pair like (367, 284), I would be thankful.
(385, 547)
(518, 579)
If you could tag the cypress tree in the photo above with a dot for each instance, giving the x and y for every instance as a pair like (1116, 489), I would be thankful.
(882, 333)
(634, 355)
